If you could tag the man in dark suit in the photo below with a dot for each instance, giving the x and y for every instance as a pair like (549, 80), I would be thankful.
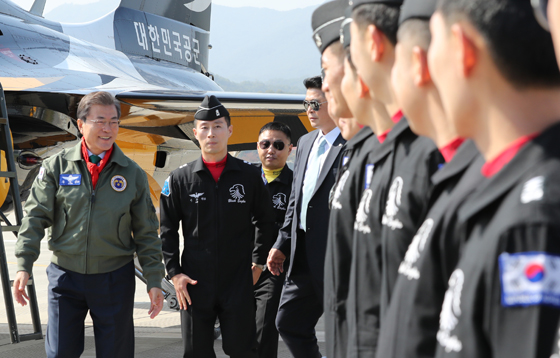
(304, 235)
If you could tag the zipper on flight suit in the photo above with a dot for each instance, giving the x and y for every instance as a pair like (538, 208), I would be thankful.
(92, 202)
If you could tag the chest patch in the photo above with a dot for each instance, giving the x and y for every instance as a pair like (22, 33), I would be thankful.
(237, 192)
(530, 278)
(338, 191)
(118, 183)
(368, 175)
(70, 179)
(393, 203)
(279, 201)
(532, 190)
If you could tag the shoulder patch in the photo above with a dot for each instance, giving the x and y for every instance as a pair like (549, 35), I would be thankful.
(529, 279)
(165, 190)
(41, 173)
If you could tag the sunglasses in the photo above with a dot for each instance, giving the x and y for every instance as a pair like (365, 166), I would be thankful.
(539, 8)
(314, 104)
(265, 144)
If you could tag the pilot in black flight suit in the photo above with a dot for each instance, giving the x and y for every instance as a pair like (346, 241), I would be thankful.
(220, 202)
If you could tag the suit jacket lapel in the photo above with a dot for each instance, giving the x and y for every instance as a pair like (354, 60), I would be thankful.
(329, 161)
(305, 147)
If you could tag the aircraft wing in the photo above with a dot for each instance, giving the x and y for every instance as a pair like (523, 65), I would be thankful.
(171, 113)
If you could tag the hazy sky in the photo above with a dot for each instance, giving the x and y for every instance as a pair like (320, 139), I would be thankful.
(271, 4)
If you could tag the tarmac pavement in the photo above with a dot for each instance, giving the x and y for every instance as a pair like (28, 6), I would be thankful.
(159, 337)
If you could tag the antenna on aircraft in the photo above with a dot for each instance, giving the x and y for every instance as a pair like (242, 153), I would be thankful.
(38, 7)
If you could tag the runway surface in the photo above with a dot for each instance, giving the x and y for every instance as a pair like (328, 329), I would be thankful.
(160, 337)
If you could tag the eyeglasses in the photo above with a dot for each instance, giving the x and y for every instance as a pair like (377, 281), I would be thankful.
(101, 124)
(539, 8)
(314, 104)
(265, 144)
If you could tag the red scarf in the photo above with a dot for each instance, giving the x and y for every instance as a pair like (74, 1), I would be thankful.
(216, 168)
(491, 167)
(448, 151)
(95, 169)
(395, 118)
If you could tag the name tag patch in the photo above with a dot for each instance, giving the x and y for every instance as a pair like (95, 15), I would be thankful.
(166, 191)
(368, 175)
(70, 179)
(530, 278)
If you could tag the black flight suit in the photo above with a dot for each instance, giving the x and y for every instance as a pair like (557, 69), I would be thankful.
(503, 299)
(269, 287)
(409, 161)
(219, 221)
(347, 193)
(412, 320)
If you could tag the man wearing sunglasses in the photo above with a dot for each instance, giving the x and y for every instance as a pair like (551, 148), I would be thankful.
(304, 235)
(274, 147)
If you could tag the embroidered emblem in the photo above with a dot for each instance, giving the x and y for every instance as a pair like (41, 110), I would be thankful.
(279, 201)
(362, 214)
(450, 313)
(407, 267)
(237, 192)
(165, 190)
(393, 202)
(70, 179)
(318, 40)
(41, 173)
(196, 197)
(218, 112)
(532, 190)
(530, 278)
(338, 191)
(118, 183)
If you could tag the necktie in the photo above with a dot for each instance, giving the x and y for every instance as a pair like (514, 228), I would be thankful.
(310, 179)
(95, 159)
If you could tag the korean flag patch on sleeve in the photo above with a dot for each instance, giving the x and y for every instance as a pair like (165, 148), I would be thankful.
(530, 278)
(166, 191)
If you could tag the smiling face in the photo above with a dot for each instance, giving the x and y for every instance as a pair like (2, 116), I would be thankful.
(272, 158)
(100, 136)
(213, 138)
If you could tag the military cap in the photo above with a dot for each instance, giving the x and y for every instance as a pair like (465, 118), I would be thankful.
(210, 109)
(355, 3)
(325, 21)
(417, 9)
(345, 28)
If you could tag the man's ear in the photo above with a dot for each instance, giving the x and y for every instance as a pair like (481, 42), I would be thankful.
(80, 125)
(195, 132)
(420, 70)
(467, 47)
(230, 130)
(364, 89)
(378, 44)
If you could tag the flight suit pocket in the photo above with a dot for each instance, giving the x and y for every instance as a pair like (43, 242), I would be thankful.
(125, 230)
(59, 225)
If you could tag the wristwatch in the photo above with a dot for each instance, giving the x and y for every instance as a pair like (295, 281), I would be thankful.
(262, 267)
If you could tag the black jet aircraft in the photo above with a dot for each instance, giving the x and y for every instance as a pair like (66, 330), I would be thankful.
(152, 55)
